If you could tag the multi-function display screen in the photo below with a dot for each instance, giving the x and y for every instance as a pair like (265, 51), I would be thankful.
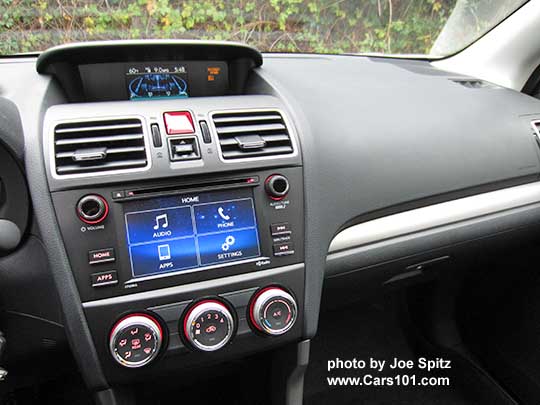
(155, 81)
(191, 232)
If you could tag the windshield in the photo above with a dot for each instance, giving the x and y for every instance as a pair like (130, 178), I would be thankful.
(432, 28)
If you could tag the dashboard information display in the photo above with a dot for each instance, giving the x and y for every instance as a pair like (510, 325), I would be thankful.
(154, 81)
(188, 233)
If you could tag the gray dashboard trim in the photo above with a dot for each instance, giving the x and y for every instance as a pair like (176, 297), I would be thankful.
(151, 112)
(75, 323)
(434, 216)
(193, 287)
(50, 138)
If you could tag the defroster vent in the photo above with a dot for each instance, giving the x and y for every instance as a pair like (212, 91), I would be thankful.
(252, 134)
(99, 146)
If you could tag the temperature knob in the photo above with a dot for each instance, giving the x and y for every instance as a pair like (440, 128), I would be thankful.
(135, 340)
(273, 311)
(209, 325)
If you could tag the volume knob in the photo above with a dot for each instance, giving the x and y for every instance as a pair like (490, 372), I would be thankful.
(92, 209)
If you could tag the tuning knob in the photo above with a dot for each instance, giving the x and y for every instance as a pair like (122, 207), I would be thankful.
(277, 186)
(135, 340)
(273, 311)
(209, 325)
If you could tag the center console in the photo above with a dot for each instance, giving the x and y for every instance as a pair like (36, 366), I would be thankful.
(179, 267)
(182, 216)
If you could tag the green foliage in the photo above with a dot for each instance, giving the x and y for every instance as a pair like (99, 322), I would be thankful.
(323, 26)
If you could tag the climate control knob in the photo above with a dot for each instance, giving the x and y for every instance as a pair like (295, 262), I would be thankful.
(273, 311)
(277, 186)
(208, 325)
(135, 340)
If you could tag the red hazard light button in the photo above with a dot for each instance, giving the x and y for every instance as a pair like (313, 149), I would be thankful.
(178, 122)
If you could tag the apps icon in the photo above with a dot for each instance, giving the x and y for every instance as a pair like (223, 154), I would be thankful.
(164, 252)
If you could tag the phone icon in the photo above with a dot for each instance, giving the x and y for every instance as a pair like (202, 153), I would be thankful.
(222, 214)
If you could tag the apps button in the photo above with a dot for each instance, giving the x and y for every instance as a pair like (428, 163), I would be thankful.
(154, 258)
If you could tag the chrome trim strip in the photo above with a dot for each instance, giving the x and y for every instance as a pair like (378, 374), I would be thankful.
(434, 216)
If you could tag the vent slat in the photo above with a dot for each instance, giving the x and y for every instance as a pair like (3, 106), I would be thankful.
(98, 128)
(228, 142)
(236, 154)
(265, 130)
(275, 137)
(99, 146)
(267, 138)
(249, 118)
(250, 128)
(99, 139)
(70, 169)
(132, 149)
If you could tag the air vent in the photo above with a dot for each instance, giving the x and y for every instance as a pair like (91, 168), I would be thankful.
(473, 83)
(252, 134)
(99, 146)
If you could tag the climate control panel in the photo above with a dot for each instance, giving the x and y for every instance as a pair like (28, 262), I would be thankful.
(203, 325)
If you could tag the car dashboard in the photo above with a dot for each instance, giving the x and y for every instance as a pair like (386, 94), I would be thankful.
(187, 201)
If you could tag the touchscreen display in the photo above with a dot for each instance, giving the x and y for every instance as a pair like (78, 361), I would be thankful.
(191, 232)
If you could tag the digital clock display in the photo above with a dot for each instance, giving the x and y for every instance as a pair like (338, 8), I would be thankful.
(157, 81)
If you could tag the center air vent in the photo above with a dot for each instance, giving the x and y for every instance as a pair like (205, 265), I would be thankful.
(252, 134)
(99, 146)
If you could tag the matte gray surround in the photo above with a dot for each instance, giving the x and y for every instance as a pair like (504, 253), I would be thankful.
(31, 109)
(151, 112)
